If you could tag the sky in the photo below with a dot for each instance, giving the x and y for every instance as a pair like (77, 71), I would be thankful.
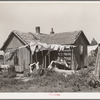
(61, 16)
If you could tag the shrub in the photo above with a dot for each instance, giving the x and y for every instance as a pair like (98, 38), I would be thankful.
(26, 72)
(79, 80)
(91, 60)
(10, 73)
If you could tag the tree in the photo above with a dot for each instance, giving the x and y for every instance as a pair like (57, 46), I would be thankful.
(94, 42)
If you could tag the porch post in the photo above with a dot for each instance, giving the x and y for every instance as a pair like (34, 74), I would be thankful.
(72, 62)
(45, 61)
(49, 57)
(31, 57)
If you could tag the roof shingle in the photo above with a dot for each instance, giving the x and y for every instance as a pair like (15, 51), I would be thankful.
(61, 38)
(26, 37)
(56, 38)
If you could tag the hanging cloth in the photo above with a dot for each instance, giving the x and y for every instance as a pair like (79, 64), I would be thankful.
(56, 47)
(33, 47)
(61, 48)
(12, 53)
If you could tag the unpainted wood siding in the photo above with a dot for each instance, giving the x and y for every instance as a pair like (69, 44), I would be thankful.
(24, 59)
(23, 54)
(13, 42)
(81, 41)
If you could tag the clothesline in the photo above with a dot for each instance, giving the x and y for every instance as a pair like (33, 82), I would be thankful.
(43, 46)
(37, 46)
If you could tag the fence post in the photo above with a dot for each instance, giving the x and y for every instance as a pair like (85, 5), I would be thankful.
(97, 65)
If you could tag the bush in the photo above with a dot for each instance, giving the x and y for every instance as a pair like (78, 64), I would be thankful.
(37, 73)
(91, 61)
(55, 79)
(79, 80)
(92, 58)
(10, 73)
(26, 72)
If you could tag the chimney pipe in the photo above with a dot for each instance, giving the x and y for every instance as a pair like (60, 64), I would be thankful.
(37, 29)
(52, 32)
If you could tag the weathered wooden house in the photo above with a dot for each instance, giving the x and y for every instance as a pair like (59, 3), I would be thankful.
(77, 38)
(23, 57)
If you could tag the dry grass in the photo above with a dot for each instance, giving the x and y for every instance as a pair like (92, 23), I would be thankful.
(52, 81)
(49, 81)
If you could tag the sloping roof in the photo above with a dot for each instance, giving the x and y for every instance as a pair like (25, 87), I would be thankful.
(62, 38)
(56, 38)
(24, 37)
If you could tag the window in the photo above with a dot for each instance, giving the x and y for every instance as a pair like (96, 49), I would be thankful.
(81, 49)
(16, 59)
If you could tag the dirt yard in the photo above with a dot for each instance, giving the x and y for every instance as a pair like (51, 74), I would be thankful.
(49, 82)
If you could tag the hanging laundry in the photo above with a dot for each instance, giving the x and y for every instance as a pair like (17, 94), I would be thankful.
(52, 46)
(23, 46)
(32, 47)
(56, 47)
(36, 47)
(67, 46)
(12, 53)
(42, 44)
(61, 48)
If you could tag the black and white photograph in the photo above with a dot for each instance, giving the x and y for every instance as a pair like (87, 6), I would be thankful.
(50, 47)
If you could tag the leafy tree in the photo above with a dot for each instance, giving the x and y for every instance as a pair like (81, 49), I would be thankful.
(94, 42)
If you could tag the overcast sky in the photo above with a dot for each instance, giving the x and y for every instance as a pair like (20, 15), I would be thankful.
(63, 17)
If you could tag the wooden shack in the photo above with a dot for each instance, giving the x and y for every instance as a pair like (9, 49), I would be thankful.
(77, 38)
(23, 57)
